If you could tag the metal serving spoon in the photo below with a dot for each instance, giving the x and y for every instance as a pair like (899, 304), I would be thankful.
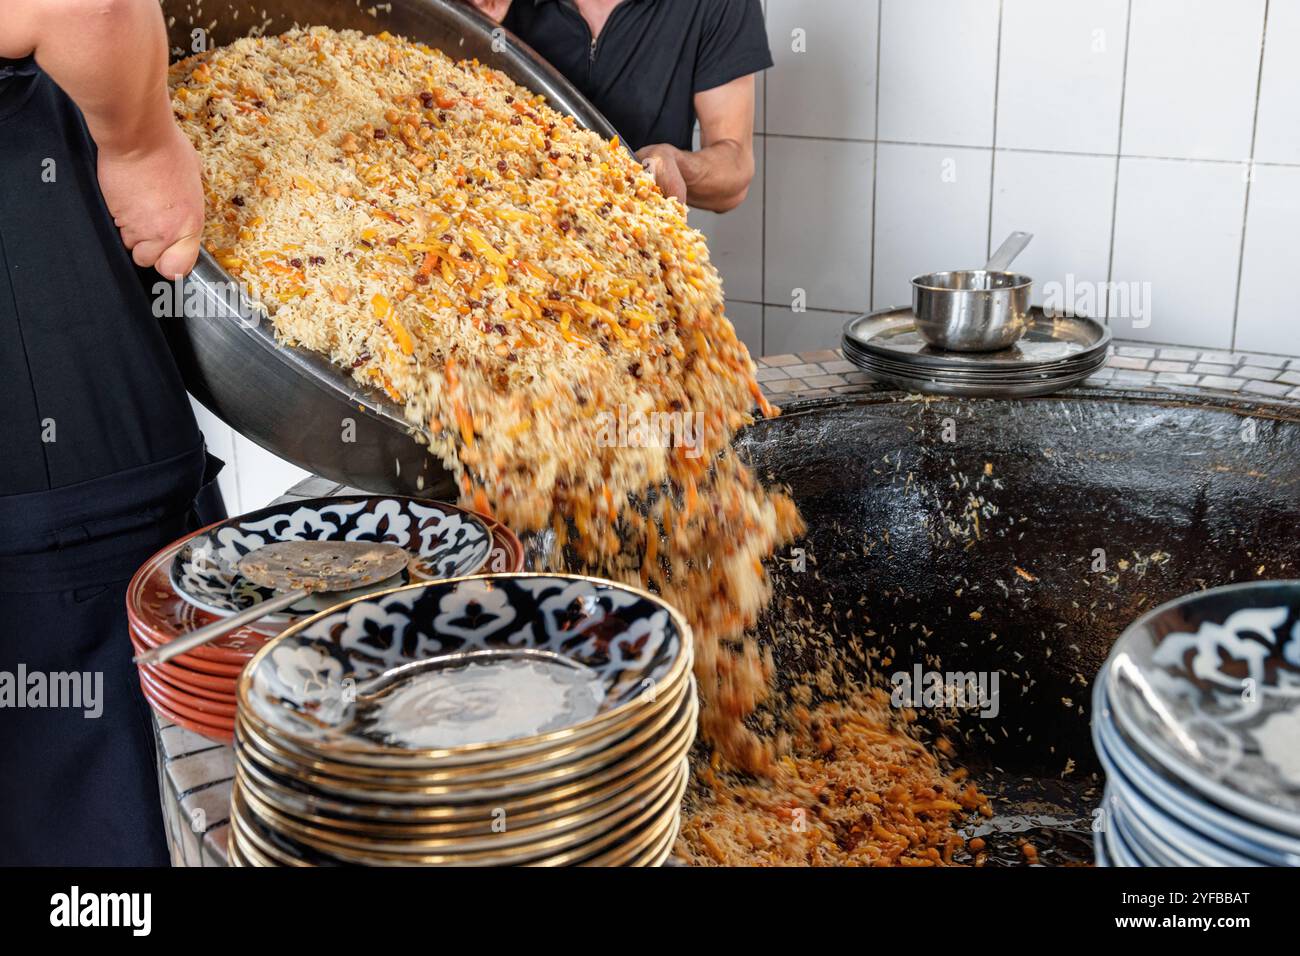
(297, 569)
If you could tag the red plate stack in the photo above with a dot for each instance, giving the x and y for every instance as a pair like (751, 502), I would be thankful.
(197, 690)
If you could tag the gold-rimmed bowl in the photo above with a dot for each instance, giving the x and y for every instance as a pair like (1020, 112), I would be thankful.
(612, 839)
(359, 816)
(465, 783)
(568, 749)
(517, 719)
(497, 825)
(364, 682)
(508, 846)
(648, 844)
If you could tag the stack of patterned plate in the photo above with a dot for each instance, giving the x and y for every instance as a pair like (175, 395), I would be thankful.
(505, 719)
(193, 582)
(1055, 353)
(1196, 718)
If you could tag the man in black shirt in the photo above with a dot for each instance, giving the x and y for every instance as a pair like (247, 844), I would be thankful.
(103, 463)
(653, 67)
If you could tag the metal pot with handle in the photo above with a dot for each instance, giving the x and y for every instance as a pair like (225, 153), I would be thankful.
(975, 310)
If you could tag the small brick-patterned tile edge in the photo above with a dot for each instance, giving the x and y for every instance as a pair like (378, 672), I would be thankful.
(786, 378)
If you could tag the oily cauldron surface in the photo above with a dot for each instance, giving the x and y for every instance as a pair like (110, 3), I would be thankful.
(1018, 538)
(291, 401)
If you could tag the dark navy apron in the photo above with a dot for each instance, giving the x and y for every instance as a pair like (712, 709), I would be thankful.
(101, 465)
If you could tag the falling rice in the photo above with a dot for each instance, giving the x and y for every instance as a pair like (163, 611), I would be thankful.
(524, 290)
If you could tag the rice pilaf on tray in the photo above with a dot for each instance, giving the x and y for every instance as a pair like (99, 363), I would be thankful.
(521, 287)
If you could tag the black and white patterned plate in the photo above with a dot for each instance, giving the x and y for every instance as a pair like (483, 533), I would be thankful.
(444, 542)
(449, 667)
(1208, 686)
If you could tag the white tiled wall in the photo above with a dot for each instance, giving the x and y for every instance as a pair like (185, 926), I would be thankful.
(253, 477)
(1154, 142)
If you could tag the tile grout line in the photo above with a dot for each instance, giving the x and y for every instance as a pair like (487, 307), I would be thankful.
(1030, 150)
(993, 155)
(1250, 178)
(1119, 152)
(875, 163)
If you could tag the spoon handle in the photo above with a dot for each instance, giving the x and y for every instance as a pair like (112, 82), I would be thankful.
(211, 632)
(1007, 252)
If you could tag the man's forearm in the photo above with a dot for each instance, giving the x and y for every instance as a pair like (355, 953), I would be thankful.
(718, 176)
(109, 56)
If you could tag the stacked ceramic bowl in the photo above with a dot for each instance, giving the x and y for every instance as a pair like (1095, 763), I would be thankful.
(194, 582)
(507, 719)
(1196, 718)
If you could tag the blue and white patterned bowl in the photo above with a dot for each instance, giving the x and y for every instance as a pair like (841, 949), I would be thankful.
(484, 665)
(1185, 821)
(444, 542)
(1208, 688)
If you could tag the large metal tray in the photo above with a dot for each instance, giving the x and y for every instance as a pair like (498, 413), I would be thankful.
(292, 402)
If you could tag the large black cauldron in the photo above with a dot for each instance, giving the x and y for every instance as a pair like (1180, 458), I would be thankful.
(1018, 538)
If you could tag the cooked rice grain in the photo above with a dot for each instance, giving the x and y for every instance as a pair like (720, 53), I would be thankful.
(513, 281)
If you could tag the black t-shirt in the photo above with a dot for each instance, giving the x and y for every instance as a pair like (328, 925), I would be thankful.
(651, 57)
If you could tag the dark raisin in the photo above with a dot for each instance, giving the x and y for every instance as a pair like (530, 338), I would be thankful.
(296, 263)
(442, 116)
(421, 279)
(635, 369)
(500, 329)
(516, 121)
(391, 242)
(467, 255)
(238, 200)
(362, 359)
(848, 841)
(446, 237)
(510, 99)
(316, 260)
(501, 166)
(426, 98)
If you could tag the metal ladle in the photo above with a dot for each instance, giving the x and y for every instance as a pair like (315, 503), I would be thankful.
(297, 569)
